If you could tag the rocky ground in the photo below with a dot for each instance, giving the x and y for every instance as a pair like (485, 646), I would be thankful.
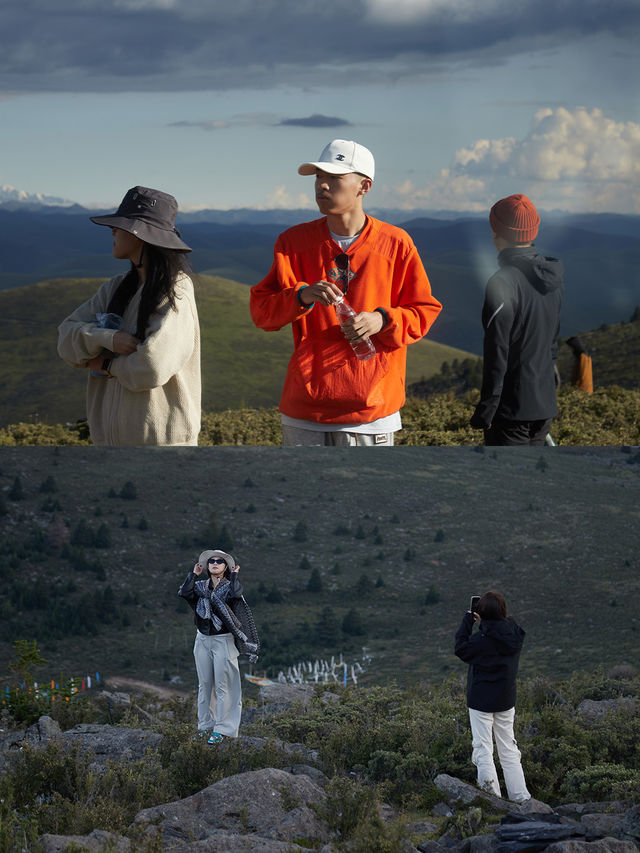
(279, 809)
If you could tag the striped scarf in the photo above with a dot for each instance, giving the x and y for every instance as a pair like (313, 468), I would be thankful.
(212, 602)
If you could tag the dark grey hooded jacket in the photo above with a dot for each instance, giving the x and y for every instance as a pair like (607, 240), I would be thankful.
(521, 320)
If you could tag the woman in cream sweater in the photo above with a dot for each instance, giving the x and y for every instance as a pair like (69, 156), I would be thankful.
(144, 374)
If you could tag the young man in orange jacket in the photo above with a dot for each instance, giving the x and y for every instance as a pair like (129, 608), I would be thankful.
(330, 397)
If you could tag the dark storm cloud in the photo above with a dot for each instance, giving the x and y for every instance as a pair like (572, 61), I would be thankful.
(164, 45)
(316, 120)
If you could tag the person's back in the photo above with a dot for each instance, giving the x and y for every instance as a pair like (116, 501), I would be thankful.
(492, 654)
(520, 317)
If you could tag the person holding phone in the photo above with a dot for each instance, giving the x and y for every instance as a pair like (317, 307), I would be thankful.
(493, 654)
(209, 590)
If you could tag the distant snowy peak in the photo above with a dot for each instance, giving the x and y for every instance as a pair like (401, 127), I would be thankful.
(11, 194)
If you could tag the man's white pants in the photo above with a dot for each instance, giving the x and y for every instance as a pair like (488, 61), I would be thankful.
(219, 689)
(499, 724)
(300, 437)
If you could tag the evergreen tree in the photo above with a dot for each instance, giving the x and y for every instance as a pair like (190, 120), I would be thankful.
(57, 534)
(409, 555)
(352, 623)
(49, 485)
(16, 493)
(379, 582)
(129, 492)
(304, 563)
(433, 595)
(542, 464)
(103, 537)
(360, 534)
(363, 586)
(274, 596)
(51, 505)
(83, 536)
(327, 628)
(439, 537)
(314, 584)
(301, 532)
(143, 524)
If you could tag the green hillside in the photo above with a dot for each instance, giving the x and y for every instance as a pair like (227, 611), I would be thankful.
(405, 541)
(615, 353)
(241, 365)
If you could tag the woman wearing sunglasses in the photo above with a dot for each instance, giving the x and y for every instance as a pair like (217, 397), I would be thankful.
(210, 590)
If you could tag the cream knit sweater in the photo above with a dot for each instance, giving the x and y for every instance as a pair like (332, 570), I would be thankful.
(153, 395)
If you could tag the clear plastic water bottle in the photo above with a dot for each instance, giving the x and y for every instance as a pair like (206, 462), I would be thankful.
(363, 349)
(107, 321)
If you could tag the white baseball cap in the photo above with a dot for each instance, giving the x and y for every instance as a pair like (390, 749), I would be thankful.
(341, 157)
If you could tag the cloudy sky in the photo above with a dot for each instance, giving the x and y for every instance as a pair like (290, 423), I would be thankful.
(461, 101)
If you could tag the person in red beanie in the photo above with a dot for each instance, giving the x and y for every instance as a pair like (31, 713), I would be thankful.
(521, 321)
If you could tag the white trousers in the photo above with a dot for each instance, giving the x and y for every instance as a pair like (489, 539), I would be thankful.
(219, 690)
(301, 437)
(499, 724)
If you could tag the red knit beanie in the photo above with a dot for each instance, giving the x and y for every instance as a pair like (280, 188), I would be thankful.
(515, 218)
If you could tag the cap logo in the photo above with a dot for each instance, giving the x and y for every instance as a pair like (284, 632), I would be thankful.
(339, 156)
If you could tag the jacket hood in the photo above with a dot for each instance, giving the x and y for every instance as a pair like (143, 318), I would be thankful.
(505, 633)
(545, 274)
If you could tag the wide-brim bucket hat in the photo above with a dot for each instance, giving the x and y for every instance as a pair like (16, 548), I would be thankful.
(150, 215)
(204, 557)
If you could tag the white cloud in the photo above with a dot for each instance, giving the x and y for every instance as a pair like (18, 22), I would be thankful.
(403, 11)
(145, 5)
(572, 159)
(282, 199)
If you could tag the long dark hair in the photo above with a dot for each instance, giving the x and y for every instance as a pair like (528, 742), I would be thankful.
(163, 267)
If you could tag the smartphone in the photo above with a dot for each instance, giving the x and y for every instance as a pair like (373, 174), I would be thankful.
(473, 607)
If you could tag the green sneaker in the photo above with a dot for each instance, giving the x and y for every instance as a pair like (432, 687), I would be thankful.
(216, 737)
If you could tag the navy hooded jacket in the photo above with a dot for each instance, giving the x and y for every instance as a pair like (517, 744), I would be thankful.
(493, 654)
(521, 321)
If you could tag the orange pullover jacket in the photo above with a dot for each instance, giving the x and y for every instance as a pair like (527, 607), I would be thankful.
(325, 382)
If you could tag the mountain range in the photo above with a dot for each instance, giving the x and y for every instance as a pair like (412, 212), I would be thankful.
(601, 255)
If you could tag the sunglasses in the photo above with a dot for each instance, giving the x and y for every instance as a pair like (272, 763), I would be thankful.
(216, 560)
(342, 262)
